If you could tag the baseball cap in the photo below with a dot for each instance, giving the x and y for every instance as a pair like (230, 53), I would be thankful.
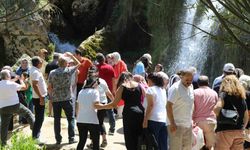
(229, 67)
(148, 56)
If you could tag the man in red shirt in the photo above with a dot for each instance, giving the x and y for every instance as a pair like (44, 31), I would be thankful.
(107, 73)
(83, 69)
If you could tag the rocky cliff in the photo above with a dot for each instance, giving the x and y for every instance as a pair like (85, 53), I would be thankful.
(22, 30)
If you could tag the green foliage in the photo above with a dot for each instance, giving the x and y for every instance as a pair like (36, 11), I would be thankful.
(20, 141)
(51, 50)
(93, 44)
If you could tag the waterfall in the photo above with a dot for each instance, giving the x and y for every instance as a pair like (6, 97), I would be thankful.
(61, 46)
(193, 42)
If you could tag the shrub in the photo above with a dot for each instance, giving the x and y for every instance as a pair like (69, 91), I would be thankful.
(22, 142)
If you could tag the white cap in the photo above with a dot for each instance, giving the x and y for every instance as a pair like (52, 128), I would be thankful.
(229, 67)
(148, 56)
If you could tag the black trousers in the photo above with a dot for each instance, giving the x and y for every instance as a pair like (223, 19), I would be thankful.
(83, 129)
(101, 115)
(39, 117)
(132, 124)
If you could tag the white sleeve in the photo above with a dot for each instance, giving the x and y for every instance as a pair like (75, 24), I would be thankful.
(17, 86)
(35, 76)
(150, 91)
(105, 86)
(96, 96)
(172, 94)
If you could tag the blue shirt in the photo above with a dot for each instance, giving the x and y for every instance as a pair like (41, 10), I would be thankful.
(139, 69)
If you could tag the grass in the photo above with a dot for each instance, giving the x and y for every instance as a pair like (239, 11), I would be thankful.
(20, 141)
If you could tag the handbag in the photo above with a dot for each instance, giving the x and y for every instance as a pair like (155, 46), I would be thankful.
(227, 116)
(147, 141)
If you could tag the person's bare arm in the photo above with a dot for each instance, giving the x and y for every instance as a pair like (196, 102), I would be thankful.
(114, 103)
(36, 89)
(150, 105)
(110, 95)
(50, 88)
(219, 105)
(24, 86)
(245, 119)
(68, 54)
(170, 115)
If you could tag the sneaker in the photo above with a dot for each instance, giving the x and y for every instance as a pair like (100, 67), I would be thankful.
(72, 141)
(90, 146)
(39, 141)
(58, 142)
(111, 132)
(104, 143)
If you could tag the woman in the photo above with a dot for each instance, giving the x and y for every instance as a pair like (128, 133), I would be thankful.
(232, 97)
(87, 120)
(245, 81)
(142, 65)
(133, 112)
(156, 114)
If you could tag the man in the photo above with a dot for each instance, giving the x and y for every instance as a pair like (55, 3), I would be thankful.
(39, 92)
(179, 111)
(83, 69)
(205, 100)
(106, 72)
(49, 67)
(9, 103)
(228, 69)
(59, 86)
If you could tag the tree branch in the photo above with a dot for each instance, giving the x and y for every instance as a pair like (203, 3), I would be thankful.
(221, 19)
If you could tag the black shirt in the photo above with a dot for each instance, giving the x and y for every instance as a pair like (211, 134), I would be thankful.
(51, 66)
(241, 107)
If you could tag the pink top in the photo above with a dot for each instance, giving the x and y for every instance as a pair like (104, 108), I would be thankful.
(204, 101)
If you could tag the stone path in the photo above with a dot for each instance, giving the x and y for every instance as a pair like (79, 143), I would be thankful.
(115, 142)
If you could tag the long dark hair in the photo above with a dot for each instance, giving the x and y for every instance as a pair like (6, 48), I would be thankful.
(156, 79)
(123, 77)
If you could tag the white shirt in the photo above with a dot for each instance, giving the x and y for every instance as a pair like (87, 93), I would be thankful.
(183, 101)
(36, 75)
(103, 88)
(87, 112)
(8, 90)
(159, 111)
(73, 86)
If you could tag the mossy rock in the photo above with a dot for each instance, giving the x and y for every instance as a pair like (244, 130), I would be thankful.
(93, 44)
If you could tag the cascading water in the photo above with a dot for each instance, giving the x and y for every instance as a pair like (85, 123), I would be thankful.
(193, 43)
(60, 46)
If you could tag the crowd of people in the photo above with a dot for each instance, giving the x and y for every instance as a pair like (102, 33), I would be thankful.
(169, 108)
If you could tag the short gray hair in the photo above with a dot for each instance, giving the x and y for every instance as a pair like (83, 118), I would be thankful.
(5, 74)
(62, 60)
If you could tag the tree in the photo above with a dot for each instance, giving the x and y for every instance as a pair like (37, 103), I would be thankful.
(234, 18)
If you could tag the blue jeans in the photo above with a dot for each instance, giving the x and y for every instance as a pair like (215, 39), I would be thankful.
(111, 116)
(67, 106)
(39, 117)
(6, 115)
(159, 129)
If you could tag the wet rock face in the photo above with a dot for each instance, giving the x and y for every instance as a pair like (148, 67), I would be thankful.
(82, 17)
(21, 35)
(24, 36)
